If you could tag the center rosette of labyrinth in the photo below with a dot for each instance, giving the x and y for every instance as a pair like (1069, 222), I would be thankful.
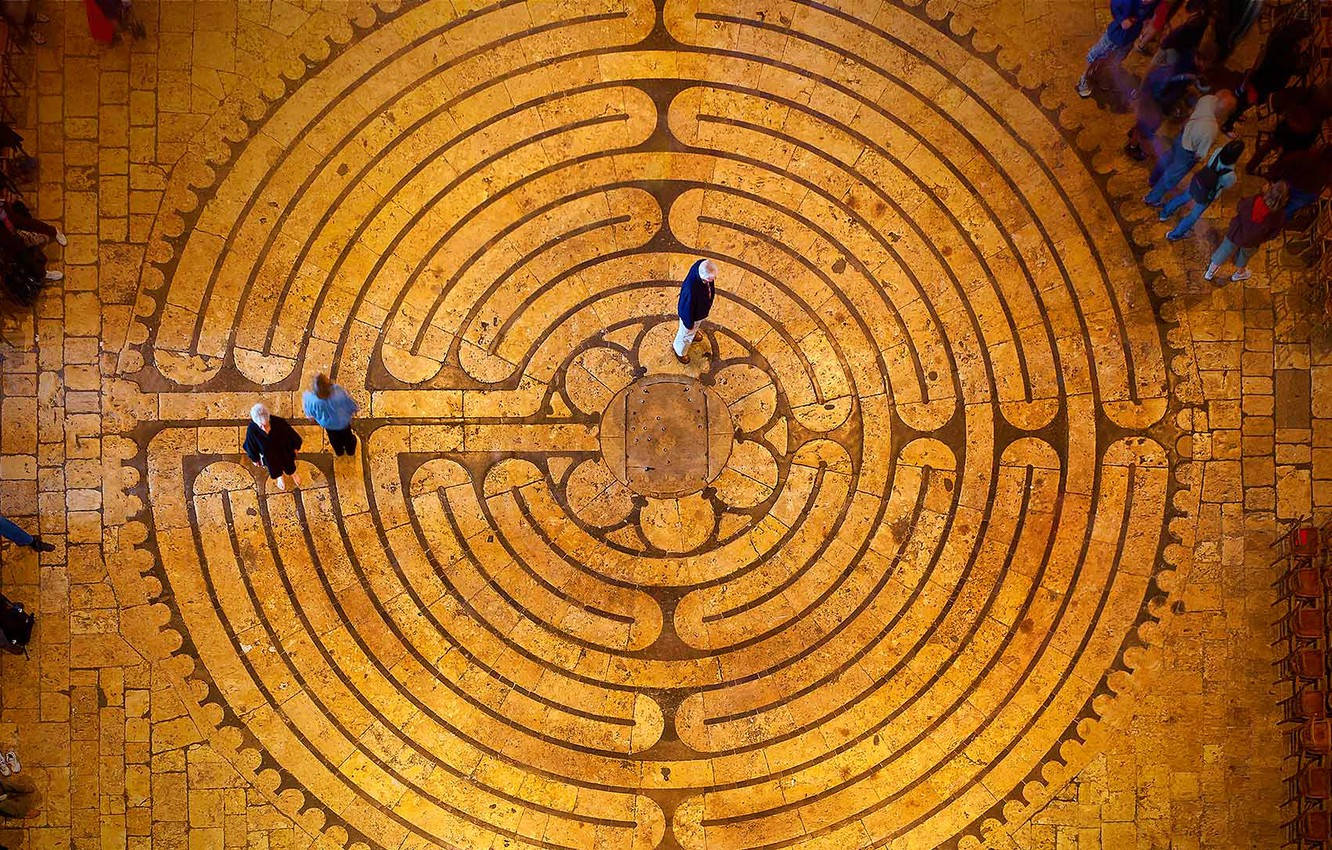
(854, 576)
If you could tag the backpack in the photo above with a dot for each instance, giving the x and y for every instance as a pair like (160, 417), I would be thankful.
(1206, 184)
(15, 626)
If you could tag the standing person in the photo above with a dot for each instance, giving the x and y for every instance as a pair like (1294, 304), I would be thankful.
(10, 531)
(332, 407)
(1128, 16)
(1258, 219)
(696, 294)
(1193, 143)
(272, 443)
(1207, 183)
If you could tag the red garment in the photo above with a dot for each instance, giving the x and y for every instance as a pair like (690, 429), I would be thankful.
(103, 29)
(1248, 229)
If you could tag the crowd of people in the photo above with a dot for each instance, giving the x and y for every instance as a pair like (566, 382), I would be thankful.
(1188, 81)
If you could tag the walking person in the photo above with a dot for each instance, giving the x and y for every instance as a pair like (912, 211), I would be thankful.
(1258, 219)
(1207, 183)
(1193, 143)
(332, 407)
(696, 294)
(1128, 17)
(1164, 86)
(11, 532)
(272, 443)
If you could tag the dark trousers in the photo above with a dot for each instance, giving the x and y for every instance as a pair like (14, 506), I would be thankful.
(343, 440)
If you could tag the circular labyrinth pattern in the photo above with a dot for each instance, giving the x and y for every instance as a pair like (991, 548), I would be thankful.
(918, 490)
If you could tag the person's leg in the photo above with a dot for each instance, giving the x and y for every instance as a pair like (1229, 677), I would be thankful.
(1102, 48)
(291, 473)
(684, 338)
(1219, 256)
(1171, 170)
(342, 440)
(1185, 225)
(12, 532)
(1174, 203)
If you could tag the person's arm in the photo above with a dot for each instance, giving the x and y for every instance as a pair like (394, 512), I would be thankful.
(252, 448)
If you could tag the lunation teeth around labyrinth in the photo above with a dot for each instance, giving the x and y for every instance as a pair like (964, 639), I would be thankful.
(852, 574)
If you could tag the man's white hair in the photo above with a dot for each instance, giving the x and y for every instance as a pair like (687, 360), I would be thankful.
(708, 271)
(259, 414)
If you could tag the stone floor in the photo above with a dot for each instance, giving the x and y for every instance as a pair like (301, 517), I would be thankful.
(954, 535)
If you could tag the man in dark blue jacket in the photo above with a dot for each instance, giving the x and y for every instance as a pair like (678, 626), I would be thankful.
(1129, 16)
(696, 295)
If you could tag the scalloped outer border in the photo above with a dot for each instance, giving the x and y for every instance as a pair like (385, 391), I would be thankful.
(244, 112)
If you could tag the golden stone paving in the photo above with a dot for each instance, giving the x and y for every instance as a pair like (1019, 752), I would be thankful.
(952, 532)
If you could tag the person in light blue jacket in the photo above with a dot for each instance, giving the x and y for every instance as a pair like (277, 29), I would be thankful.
(332, 407)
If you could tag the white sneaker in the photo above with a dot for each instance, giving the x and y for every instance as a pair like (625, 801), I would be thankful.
(55, 275)
(60, 238)
(1242, 274)
(1211, 272)
(281, 484)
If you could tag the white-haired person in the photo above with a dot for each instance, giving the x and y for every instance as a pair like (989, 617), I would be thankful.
(272, 443)
(696, 294)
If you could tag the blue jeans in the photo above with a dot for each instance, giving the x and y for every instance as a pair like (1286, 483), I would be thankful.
(1298, 201)
(1174, 204)
(1170, 171)
(1223, 251)
(1105, 47)
(10, 531)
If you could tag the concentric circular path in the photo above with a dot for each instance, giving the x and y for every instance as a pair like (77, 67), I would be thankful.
(916, 492)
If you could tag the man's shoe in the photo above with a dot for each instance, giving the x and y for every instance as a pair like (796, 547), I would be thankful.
(1211, 271)
(1242, 274)
(60, 238)
(55, 276)
(683, 358)
(41, 545)
(1083, 88)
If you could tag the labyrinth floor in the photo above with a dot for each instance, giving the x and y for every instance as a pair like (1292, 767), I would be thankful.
(951, 533)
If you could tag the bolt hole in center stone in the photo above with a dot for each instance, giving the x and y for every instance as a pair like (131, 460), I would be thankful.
(666, 435)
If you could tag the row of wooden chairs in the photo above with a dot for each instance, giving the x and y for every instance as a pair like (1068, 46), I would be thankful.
(1304, 590)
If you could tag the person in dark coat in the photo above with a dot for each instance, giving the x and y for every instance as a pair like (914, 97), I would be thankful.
(272, 443)
(1258, 219)
(696, 294)
(1128, 17)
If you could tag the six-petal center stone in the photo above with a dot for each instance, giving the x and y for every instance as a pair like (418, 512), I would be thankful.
(666, 435)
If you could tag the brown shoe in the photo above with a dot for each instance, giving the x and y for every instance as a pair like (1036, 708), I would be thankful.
(682, 359)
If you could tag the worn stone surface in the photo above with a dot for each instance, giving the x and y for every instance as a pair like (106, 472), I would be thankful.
(968, 541)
